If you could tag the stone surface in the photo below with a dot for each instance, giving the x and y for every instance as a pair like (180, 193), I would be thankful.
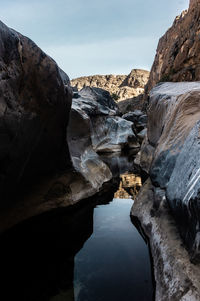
(120, 86)
(177, 279)
(109, 132)
(171, 152)
(34, 110)
(177, 57)
(131, 104)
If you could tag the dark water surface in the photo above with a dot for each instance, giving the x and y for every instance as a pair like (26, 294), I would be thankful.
(114, 262)
(88, 252)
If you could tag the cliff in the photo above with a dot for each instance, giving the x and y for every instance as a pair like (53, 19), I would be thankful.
(178, 52)
(121, 87)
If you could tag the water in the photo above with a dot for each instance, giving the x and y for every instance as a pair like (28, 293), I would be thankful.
(114, 262)
(90, 252)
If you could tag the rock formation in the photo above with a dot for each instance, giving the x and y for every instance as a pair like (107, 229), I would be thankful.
(34, 110)
(38, 171)
(120, 86)
(170, 155)
(178, 55)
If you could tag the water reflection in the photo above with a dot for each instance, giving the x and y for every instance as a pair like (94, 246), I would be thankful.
(89, 252)
(129, 187)
(114, 263)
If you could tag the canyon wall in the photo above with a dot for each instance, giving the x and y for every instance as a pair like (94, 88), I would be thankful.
(178, 52)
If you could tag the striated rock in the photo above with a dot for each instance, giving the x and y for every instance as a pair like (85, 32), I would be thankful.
(120, 86)
(171, 154)
(177, 57)
(34, 110)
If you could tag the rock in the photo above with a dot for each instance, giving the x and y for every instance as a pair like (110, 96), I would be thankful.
(99, 98)
(131, 104)
(133, 116)
(177, 56)
(141, 135)
(171, 154)
(137, 78)
(64, 77)
(109, 133)
(34, 110)
(84, 158)
(112, 134)
(120, 86)
(176, 277)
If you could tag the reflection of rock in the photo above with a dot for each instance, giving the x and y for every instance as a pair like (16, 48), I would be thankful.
(37, 256)
(120, 86)
(130, 185)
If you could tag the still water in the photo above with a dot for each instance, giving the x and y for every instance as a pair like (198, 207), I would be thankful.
(114, 262)
(88, 252)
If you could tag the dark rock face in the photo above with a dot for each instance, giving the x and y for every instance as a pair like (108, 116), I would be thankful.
(34, 110)
(172, 148)
(177, 56)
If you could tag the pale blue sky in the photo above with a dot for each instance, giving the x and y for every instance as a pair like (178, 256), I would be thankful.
(88, 37)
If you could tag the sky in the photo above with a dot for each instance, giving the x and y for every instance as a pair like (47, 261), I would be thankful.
(87, 37)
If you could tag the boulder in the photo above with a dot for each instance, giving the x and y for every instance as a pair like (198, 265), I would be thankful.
(171, 154)
(109, 132)
(34, 112)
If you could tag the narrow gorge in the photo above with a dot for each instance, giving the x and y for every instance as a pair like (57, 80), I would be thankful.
(99, 175)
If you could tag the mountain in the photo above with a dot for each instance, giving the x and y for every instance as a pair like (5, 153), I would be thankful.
(121, 87)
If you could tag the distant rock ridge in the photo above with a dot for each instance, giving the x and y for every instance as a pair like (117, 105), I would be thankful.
(178, 56)
(120, 86)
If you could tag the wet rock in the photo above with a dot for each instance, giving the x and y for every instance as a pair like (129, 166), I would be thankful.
(34, 111)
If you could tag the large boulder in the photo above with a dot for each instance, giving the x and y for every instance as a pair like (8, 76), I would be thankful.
(34, 112)
(172, 148)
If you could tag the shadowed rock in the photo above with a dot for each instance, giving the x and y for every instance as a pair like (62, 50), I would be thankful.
(34, 109)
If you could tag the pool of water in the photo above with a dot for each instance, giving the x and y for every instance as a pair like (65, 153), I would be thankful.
(114, 262)
(87, 252)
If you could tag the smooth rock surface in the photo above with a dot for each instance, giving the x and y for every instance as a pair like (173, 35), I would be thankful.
(177, 279)
(34, 111)
(109, 132)
(171, 152)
